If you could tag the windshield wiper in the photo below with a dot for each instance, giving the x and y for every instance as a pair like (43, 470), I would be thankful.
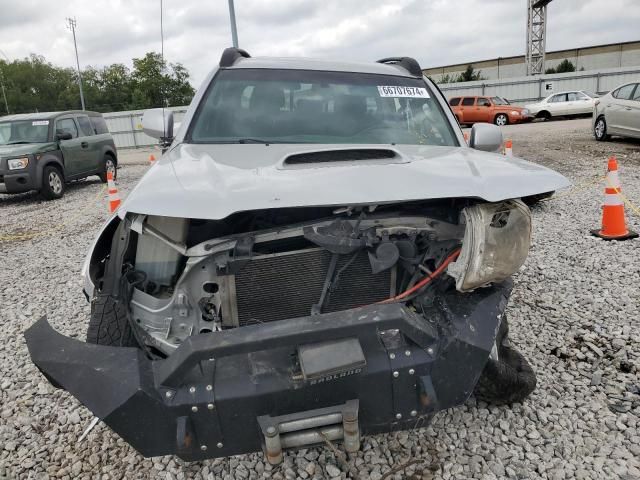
(17, 143)
(252, 140)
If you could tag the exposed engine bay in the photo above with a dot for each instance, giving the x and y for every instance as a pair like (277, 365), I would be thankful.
(192, 277)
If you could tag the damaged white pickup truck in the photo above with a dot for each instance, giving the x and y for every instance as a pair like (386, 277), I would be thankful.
(318, 256)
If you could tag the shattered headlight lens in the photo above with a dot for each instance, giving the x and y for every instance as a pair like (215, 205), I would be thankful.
(495, 245)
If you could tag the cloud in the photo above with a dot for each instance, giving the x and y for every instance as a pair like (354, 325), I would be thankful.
(435, 32)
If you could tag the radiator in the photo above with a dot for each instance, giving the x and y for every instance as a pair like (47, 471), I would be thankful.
(286, 285)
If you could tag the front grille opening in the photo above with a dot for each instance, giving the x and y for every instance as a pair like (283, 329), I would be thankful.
(349, 155)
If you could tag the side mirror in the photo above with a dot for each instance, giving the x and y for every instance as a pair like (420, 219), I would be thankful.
(486, 137)
(63, 135)
(158, 123)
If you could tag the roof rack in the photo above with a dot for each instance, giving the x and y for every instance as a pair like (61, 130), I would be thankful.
(231, 55)
(408, 63)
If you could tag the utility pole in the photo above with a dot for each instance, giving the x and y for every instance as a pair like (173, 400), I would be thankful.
(4, 94)
(232, 19)
(71, 25)
(536, 33)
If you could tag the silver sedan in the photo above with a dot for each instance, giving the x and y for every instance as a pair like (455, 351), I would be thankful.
(618, 113)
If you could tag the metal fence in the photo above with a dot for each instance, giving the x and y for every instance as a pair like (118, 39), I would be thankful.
(126, 127)
(527, 89)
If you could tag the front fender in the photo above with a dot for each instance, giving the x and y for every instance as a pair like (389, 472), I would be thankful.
(99, 249)
(53, 157)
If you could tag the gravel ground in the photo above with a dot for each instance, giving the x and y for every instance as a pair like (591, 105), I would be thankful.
(574, 313)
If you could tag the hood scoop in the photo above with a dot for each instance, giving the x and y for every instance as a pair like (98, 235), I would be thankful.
(341, 157)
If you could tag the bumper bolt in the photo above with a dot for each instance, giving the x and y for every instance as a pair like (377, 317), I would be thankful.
(209, 388)
(210, 406)
(411, 371)
(398, 416)
(430, 351)
(392, 356)
(203, 448)
(168, 394)
(194, 409)
(396, 374)
(192, 390)
(413, 413)
(407, 353)
(271, 431)
(219, 445)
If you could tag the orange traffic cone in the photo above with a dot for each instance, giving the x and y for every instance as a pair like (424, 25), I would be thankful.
(114, 198)
(152, 159)
(614, 226)
(508, 148)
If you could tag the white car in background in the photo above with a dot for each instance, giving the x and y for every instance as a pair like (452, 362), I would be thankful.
(618, 113)
(563, 104)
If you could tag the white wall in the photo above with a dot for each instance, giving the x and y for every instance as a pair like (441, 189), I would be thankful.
(589, 58)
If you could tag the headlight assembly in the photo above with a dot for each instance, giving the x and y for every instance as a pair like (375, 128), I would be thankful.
(495, 245)
(17, 163)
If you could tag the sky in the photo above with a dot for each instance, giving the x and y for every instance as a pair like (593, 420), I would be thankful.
(435, 32)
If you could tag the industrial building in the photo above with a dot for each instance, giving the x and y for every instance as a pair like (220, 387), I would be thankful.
(598, 57)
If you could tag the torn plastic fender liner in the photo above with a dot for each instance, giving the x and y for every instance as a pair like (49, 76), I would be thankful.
(205, 400)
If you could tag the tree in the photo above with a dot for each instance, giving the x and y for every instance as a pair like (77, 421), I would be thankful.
(32, 84)
(469, 75)
(153, 86)
(447, 78)
(563, 67)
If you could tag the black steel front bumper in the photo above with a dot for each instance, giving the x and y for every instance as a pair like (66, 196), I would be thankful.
(218, 394)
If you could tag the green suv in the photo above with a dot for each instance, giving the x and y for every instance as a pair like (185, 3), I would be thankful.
(43, 151)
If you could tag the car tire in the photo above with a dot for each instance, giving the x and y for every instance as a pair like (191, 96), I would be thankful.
(507, 379)
(108, 163)
(544, 115)
(53, 185)
(501, 120)
(600, 129)
(109, 323)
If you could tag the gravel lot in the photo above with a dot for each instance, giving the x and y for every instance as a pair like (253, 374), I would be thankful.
(575, 314)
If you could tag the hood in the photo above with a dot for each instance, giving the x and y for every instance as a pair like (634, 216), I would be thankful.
(214, 181)
(25, 149)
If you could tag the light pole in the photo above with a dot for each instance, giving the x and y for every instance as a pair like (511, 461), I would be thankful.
(232, 19)
(4, 94)
(71, 25)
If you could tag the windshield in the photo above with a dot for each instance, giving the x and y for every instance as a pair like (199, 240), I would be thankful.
(301, 106)
(500, 101)
(24, 131)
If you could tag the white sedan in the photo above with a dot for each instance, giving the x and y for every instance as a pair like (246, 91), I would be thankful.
(563, 104)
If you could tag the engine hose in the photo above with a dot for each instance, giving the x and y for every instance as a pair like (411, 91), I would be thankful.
(425, 281)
